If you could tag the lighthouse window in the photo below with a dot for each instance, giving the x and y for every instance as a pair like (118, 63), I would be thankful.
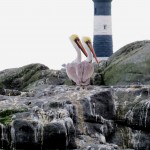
(105, 27)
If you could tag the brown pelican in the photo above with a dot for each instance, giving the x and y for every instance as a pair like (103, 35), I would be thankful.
(72, 68)
(86, 68)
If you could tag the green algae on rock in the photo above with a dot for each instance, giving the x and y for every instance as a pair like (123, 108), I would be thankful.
(6, 115)
(129, 65)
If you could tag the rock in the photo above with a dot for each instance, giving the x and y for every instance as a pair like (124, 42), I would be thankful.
(10, 92)
(26, 77)
(132, 118)
(58, 120)
(129, 65)
(60, 116)
(98, 68)
(25, 134)
(2, 92)
(55, 136)
(127, 137)
(44, 115)
(134, 109)
(97, 77)
(103, 147)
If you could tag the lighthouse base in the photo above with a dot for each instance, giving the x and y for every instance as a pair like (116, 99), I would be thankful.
(100, 59)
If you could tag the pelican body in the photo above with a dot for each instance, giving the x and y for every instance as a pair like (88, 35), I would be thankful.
(80, 72)
(72, 68)
(86, 66)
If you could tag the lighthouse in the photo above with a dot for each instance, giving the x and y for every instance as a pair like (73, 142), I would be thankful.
(102, 40)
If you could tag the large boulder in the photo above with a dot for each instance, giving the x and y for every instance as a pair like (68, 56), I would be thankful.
(28, 76)
(129, 65)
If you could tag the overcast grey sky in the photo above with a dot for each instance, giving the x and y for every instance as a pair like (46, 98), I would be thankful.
(37, 31)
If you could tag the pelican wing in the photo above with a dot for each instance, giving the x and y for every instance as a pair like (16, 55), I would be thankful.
(87, 71)
(71, 72)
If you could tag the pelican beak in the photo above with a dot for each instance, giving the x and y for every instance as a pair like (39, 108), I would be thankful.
(79, 44)
(92, 50)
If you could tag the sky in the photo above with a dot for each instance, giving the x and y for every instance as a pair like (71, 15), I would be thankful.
(37, 31)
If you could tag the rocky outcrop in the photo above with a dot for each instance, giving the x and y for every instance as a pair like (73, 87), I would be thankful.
(38, 111)
(57, 117)
(60, 117)
(23, 78)
(132, 117)
(129, 65)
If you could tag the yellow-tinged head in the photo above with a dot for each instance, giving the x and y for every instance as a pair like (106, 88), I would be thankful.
(86, 39)
(75, 40)
(74, 37)
(88, 42)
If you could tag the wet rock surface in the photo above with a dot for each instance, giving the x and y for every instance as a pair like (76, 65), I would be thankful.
(37, 112)
(57, 117)
(67, 117)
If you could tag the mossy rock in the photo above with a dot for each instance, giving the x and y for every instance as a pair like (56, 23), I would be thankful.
(6, 115)
(129, 65)
(1, 89)
(25, 77)
(18, 78)
(69, 82)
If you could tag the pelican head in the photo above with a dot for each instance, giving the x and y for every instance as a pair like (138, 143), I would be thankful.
(77, 43)
(88, 42)
(86, 39)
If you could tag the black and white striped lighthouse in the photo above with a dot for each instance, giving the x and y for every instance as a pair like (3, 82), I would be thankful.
(102, 41)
